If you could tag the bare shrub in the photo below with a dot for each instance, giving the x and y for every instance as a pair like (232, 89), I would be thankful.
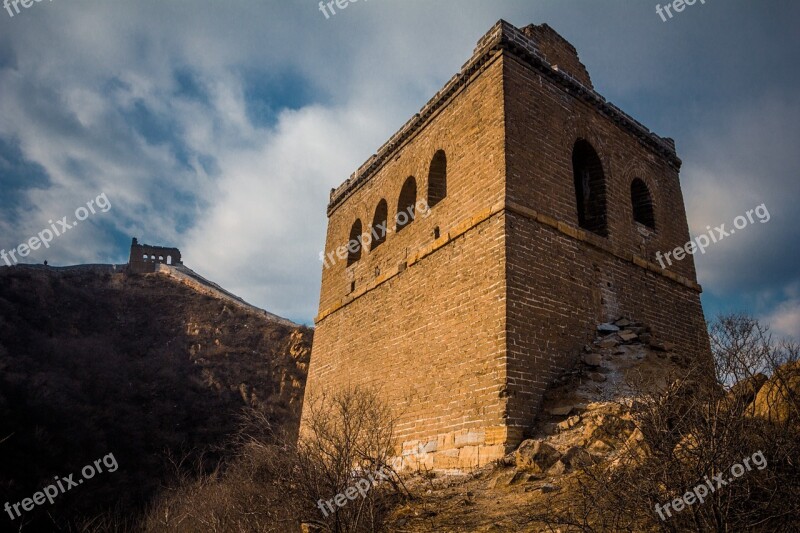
(275, 483)
(252, 494)
(348, 436)
(743, 347)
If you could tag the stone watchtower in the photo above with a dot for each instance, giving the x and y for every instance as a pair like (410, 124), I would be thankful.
(144, 258)
(547, 207)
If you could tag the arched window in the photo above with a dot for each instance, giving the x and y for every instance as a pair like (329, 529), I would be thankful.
(642, 204)
(169, 259)
(590, 188)
(354, 248)
(437, 178)
(379, 228)
(406, 202)
(144, 257)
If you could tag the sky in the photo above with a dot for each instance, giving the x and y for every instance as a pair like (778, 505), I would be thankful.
(220, 127)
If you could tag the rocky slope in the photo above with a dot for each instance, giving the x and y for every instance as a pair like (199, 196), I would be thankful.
(94, 362)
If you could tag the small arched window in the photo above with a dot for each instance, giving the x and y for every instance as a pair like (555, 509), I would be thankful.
(406, 203)
(437, 178)
(642, 204)
(169, 259)
(379, 228)
(590, 188)
(354, 244)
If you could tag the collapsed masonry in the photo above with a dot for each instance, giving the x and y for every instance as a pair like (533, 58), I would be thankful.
(583, 418)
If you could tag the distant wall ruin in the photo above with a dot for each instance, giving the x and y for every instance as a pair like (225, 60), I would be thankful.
(144, 257)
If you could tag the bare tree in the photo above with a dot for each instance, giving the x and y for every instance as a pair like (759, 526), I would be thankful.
(743, 348)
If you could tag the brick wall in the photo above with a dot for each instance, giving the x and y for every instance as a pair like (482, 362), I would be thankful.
(557, 51)
(431, 338)
(469, 128)
(426, 318)
(560, 288)
(543, 124)
(561, 280)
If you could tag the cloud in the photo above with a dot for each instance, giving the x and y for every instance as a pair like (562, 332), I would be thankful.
(785, 320)
(784, 317)
(263, 234)
(732, 165)
(221, 127)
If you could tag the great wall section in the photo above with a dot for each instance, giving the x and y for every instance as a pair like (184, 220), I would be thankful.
(177, 271)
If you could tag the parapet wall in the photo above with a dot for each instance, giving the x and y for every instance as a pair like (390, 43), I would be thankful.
(197, 282)
(545, 50)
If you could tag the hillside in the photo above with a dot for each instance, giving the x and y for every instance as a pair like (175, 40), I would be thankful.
(96, 362)
(624, 435)
(158, 370)
(629, 430)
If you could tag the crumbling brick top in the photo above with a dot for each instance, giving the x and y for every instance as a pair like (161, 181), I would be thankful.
(547, 52)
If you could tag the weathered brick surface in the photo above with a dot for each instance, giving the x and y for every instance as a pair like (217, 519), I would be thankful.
(464, 317)
(471, 123)
(557, 51)
(559, 287)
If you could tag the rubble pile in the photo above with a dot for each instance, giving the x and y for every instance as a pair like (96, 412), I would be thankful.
(585, 417)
